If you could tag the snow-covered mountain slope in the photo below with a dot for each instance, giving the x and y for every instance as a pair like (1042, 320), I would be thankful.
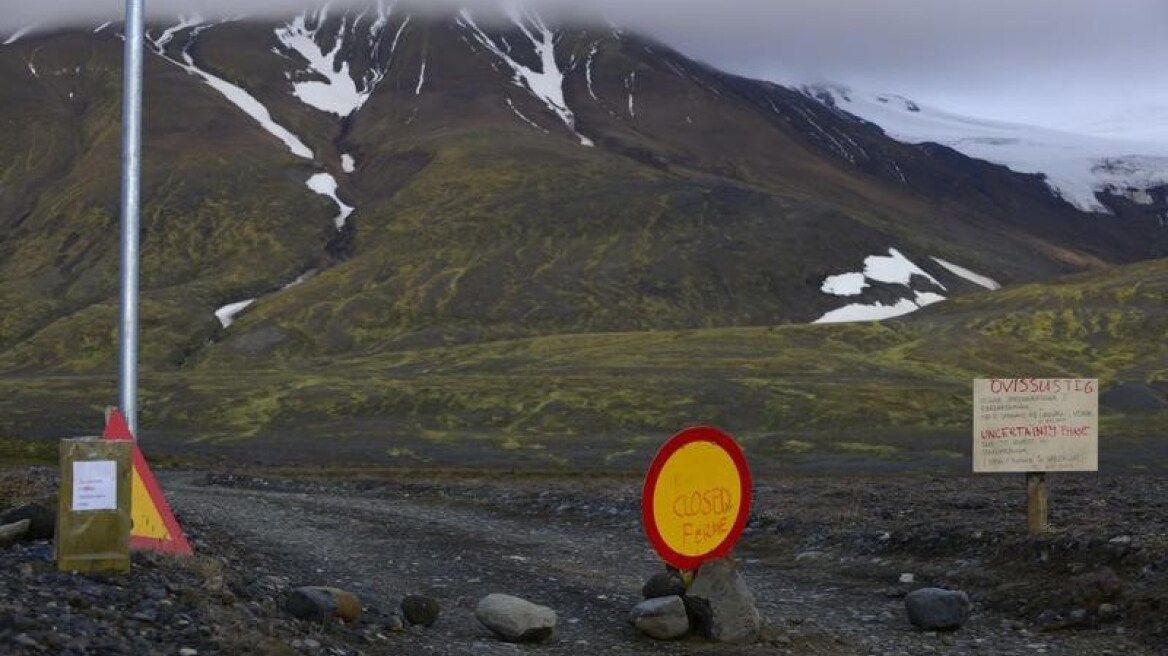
(1139, 123)
(1076, 166)
(346, 178)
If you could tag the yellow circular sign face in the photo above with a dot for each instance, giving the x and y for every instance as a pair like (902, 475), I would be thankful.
(697, 499)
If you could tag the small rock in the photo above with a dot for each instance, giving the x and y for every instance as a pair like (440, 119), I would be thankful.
(1107, 611)
(662, 618)
(419, 609)
(907, 577)
(722, 604)
(395, 624)
(514, 619)
(12, 533)
(42, 520)
(188, 651)
(664, 584)
(1077, 616)
(1047, 618)
(1095, 588)
(321, 604)
(24, 640)
(935, 608)
(1120, 540)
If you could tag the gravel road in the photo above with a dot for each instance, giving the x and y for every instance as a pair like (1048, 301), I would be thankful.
(822, 557)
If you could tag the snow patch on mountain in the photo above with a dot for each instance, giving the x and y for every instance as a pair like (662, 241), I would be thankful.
(184, 23)
(240, 98)
(1075, 166)
(547, 83)
(631, 84)
(845, 284)
(226, 314)
(588, 70)
(522, 117)
(338, 92)
(893, 268)
(18, 34)
(878, 311)
(326, 185)
(975, 278)
(321, 183)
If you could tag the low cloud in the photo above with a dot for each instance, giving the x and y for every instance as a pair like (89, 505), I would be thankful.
(1008, 56)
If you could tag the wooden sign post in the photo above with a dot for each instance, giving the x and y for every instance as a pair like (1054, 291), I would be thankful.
(1036, 516)
(1035, 426)
(93, 513)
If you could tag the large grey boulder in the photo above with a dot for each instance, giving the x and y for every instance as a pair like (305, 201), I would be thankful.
(934, 609)
(721, 603)
(663, 618)
(10, 534)
(514, 619)
(42, 520)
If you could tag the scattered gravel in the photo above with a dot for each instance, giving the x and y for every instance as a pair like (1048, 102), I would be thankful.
(825, 558)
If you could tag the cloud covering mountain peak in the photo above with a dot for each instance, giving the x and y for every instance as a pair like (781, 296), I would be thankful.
(999, 58)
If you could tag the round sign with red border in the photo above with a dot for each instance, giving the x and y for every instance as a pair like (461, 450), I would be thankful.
(696, 497)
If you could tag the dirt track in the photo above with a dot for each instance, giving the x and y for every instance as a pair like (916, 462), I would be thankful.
(821, 555)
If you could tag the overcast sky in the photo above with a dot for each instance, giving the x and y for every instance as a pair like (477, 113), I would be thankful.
(1062, 63)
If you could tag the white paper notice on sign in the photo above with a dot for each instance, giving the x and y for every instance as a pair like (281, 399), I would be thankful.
(95, 485)
(1035, 424)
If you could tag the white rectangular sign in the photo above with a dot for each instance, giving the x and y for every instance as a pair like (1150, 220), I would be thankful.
(95, 485)
(1035, 424)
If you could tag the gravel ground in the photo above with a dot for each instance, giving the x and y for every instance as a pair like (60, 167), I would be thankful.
(823, 556)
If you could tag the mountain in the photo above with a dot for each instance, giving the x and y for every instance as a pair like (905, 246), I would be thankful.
(1090, 172)
(352, 182)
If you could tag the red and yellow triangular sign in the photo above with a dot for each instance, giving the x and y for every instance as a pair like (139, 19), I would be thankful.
(154, 527)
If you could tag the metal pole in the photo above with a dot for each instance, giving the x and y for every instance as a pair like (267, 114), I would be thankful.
(131, 191)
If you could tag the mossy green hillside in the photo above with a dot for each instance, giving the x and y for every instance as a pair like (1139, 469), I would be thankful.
(877, 390)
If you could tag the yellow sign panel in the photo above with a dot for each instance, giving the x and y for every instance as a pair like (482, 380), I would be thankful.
(153, 525)
(696, 497)
(148, 522)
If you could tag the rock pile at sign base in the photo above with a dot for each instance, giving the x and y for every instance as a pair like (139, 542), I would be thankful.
(717, 603)
(721, 604)
(514, 619)
(935, 609)
(661, 618)
(664, 584)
